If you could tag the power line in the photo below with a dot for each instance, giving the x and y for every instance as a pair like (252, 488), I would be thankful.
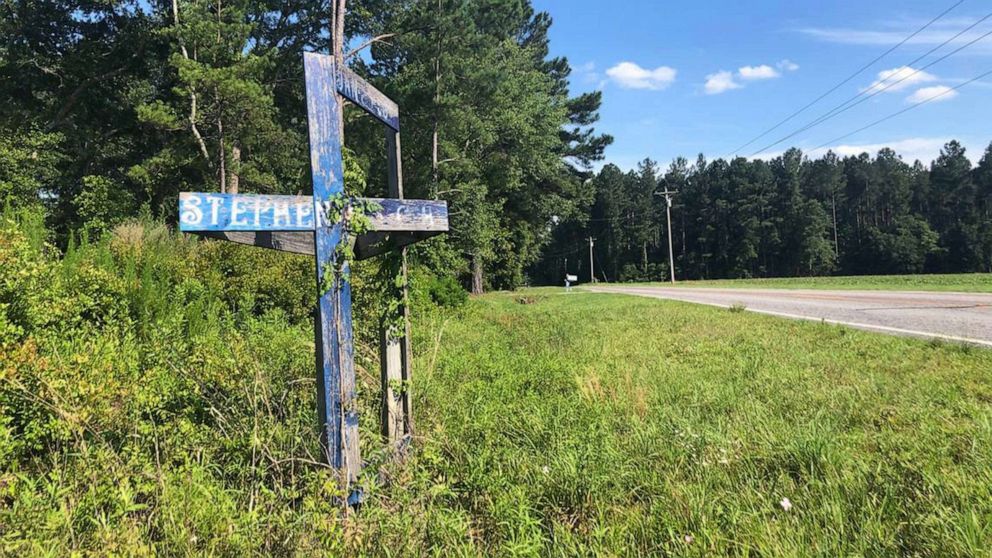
(915, 72)
(581, 245)
(621, 218)
(849, 78)
(905, 110)
(848, 105)
(577, 248)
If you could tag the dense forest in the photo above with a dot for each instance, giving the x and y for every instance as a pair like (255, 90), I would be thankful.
(111, 109)
(789, 216)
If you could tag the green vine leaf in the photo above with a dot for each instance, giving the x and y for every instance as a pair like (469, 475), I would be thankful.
(354, 216)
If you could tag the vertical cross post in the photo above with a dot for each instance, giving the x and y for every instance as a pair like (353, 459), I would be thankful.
(336, 395)
(394, 336)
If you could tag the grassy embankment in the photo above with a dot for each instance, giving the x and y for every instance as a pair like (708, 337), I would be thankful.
(960, 282)
(609, 424)
(156, 397)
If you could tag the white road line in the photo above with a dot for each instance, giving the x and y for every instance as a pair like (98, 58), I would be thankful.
(857, 325)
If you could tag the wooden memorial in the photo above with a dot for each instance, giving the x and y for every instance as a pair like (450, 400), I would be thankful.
(306, 225)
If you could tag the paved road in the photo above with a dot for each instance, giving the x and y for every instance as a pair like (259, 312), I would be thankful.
(963, 317)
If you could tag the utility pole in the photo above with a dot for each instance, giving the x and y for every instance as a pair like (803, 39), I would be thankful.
(592, 270)
(668, 213)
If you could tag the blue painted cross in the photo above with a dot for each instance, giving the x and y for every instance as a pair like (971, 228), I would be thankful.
(301, 224)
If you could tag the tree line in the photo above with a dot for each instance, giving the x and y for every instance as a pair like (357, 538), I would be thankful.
(788, 216)
(112, 108)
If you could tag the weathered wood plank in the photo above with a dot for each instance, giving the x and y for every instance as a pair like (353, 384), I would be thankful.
(395, 351)
(395, 179)
(200, 211)
(297, 242)
(368, 245)
(301, 225)
(374, 244)
(373, 101)
(337, 401)
(391, 368)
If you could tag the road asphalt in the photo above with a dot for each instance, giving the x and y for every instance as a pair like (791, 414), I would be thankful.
(962, 317)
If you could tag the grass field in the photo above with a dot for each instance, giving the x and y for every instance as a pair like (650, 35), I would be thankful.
(590, 424)
(963, 282)
(157, 399)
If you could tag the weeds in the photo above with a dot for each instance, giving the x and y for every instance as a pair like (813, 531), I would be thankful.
(157, 395)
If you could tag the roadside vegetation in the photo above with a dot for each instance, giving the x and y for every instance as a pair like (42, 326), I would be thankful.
(600, 424)
(955, 282)
(157, 392)
(156, 397)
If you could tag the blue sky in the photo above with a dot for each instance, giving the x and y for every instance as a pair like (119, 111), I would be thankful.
(680, 78)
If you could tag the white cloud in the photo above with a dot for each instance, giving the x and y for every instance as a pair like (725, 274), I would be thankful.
(720, 82)
(587, 74)
(893, 32)
(586, 68)
(898, 79)
(935, 94)
(787, 65)
(723, 81)
(631, 76)
(911, 149)
(757, 72)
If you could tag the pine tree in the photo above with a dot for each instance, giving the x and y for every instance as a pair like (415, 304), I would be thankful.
(983, 184)
(218, 126)
(954, 213)
(493, 118)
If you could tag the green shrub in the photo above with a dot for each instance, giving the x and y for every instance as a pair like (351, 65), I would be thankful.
(446, 291)
(29, 162)
(631, 273)
(157, 396)
(27, 281)
(102, 203)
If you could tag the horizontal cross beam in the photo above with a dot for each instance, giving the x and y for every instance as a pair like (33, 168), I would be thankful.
(199, 212)
(367, 245)
(373, 101)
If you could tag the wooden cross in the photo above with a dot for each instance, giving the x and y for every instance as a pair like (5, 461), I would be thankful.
(301, 224)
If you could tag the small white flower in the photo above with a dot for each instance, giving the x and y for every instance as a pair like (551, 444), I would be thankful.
(688, 539)
(786, 504)
(545, 469)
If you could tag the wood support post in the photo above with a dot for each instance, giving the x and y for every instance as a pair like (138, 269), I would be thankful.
(394, 336)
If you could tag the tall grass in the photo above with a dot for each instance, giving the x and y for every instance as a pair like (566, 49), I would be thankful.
(157, 398)
(610, 425)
